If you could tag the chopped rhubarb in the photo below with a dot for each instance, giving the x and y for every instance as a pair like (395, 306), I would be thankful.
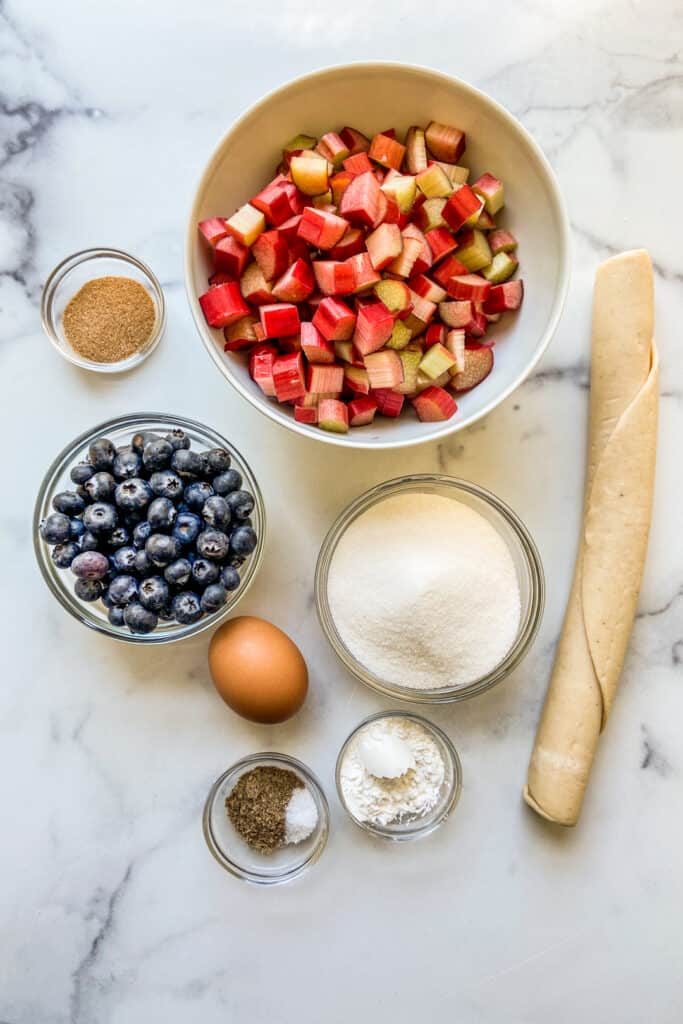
(351, 243)
(354, 140)
(436, 361)
(400, 335)
(504, 297)
(462, 208)
(334, 277)
(271, 252)
(469, 286)
(478, 365)
(288, 377)
(278, 201)
(424, 258)
(441, 242)
(501, 241)
(364, 274)
(324, 379)
(333, 415)
(374, 325)
(357, 164)
(261, 359)
(436, 335)
(212, 230)
(230, 257)
(320, 229)
(223, 304)
(384, 245)
(426, 288)
(296, 284)
(474, 250)
(491, 191)
(444, 142)
(310, 173)
(240, 334)
(316, 348)
(395, 295)
(403, 265)
(246, 224)
(356, 379)
(410, 361)
(361, 200)
(448, 268)
(254, 287)
(402, 189)
(455, 343)
(430, 215)
(334, 320)
(416, 150)
(389, 403)
(362, 411)
(220, 279)
(433, 182)
(502, 266)
(306, 414)
(434, 405)
(385, 369)
(333, 148)
(455, 314)
(279, 319)
(386, 151)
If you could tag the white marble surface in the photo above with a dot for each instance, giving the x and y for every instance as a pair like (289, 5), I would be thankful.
(111, 909)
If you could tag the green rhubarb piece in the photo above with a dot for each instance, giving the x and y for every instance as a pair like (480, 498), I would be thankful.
(403, 188)
(502, 267)
(436, 361)
(477, 254)
(400, 336)
(411, 359)
(300, 142)
(433, 182)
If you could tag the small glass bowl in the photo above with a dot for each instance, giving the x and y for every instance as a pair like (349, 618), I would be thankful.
(522, 549)
(235, 855)
(71, 274)
(120, 431)
(418, 826)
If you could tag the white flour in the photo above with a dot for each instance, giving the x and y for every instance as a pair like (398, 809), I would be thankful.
(301, 816)
(424, 593)
(381, 801)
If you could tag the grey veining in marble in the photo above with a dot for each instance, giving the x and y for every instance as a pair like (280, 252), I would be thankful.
(111, 909)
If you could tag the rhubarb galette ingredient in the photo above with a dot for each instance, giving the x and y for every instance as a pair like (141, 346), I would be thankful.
(257, 670)
(271, 807)
(380, 799)
(109, 319)
(423, 592)
(335, 276)
(157, 530)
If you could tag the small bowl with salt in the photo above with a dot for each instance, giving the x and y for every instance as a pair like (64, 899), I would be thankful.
(266, 819)
(429, 589)
(398, 776)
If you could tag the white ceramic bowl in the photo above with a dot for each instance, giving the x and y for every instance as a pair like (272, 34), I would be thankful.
(372, 97)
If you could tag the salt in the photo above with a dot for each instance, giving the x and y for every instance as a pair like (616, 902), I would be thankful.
(424, 593)
(301, 816)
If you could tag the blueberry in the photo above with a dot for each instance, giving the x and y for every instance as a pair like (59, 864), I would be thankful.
(178, 572)
(241, 504)
(216, 512)
(162, 549)
(102, 453)
(243, 540)
(76, 529)
(90, 565)
(142, 533)
(213, 544)
(64, 554)
(204, 572)
(100, 486)
(68, 502)
(187, 527)
(213, 598)
(124, 559)
(119, 538)
(178, 439)
(88, 590)
(196, 495)
(157, 455)
(154, 593)
(218, 461)
(115, 616)
(230, 578)
(143, 564)
(139, 619)
(81, 472)
(227, 482)
(165, 613)
(166, 484)
(186, 607)
(161, 514)
(127, 465)
(56, 529)
(100, 518)
(187, 464)
(131, 519)
(123, 589)
(144, 437)
(235, 560)
(133, 495)
(88, 541)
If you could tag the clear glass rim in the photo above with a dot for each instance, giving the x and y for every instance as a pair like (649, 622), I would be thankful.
(529, 624)
(56, 277)
(417, 831)
(286, 875)
(61, 591)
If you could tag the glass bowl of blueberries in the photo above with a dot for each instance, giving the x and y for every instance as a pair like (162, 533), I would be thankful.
(149, 528)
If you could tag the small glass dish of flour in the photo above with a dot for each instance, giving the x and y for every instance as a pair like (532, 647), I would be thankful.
(398, 776)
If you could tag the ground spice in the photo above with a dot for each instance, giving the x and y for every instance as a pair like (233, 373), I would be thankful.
(258, 803)
(109, 319)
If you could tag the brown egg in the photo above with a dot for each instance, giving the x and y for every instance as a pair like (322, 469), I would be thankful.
(258, 671)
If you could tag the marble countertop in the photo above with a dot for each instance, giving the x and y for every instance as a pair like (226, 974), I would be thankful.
(111, 909)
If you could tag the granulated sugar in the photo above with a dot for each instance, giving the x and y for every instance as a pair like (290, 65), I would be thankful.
(424, 593)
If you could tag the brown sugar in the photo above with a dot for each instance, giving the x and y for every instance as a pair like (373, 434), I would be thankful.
(109, 319)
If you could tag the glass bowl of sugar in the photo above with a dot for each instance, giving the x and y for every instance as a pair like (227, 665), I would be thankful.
(430, 589)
